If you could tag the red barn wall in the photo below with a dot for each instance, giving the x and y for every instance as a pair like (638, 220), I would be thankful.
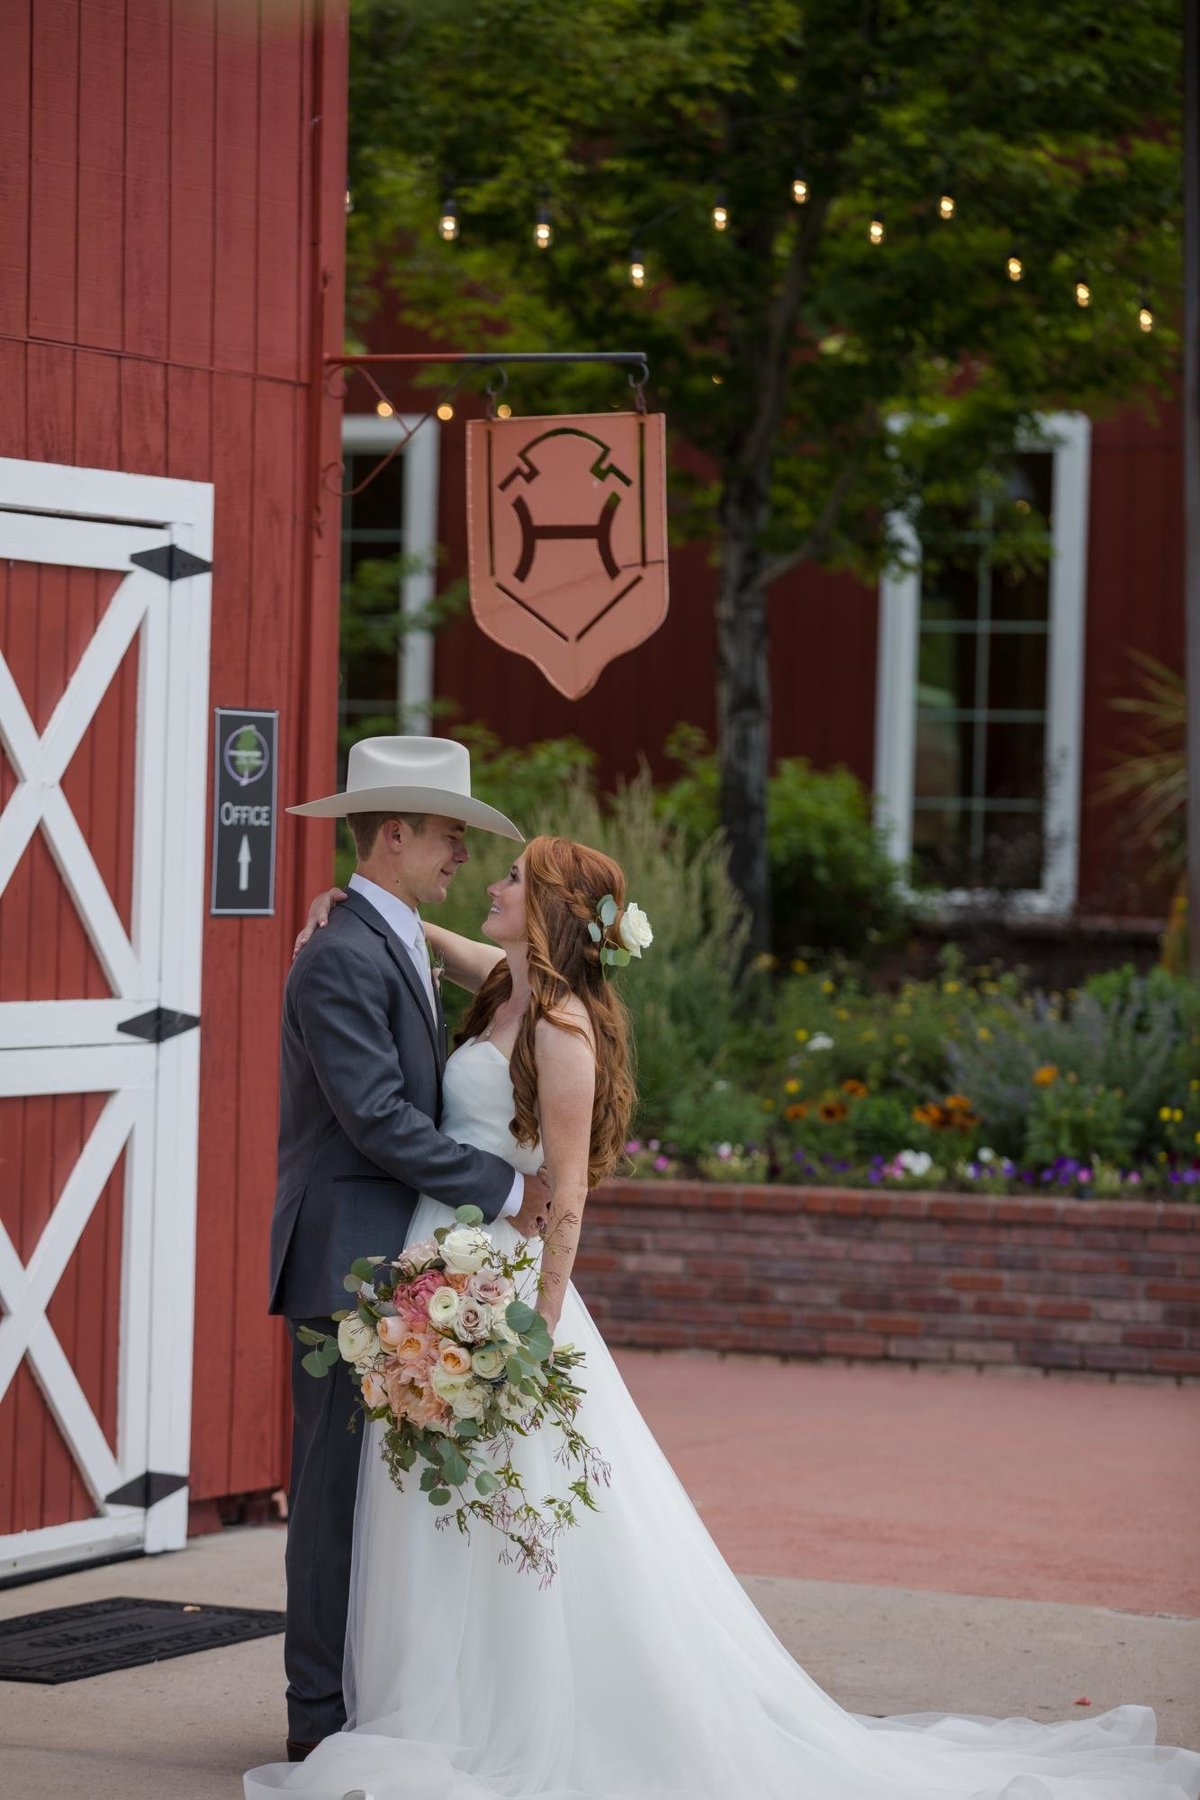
(172, 177)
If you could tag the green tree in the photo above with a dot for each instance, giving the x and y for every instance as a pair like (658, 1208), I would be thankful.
(829, 382)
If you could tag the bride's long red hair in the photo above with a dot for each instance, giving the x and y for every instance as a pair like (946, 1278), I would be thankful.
(564, 884)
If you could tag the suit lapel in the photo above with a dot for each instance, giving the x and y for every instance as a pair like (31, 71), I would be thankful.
(404, 963)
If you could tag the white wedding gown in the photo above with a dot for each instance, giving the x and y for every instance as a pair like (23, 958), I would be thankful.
(643, 1672)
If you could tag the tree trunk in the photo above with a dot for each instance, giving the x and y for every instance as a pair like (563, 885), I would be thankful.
(744, 714)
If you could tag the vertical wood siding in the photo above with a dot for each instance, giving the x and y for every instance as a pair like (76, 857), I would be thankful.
(159, 243)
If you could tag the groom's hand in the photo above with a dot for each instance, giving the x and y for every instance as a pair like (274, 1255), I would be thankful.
(534, 1215)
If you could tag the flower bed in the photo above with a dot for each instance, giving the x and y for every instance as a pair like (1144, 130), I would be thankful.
(1111, 1286)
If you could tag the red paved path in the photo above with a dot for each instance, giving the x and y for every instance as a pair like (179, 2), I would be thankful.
(1028, 1487)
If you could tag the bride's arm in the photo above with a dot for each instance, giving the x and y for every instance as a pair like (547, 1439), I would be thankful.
(468, 963)
(566, 1076)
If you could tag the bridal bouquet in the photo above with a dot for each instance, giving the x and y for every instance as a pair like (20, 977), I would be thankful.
(457, 1366)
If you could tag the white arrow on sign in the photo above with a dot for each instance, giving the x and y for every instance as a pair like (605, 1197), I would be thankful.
(243, 863)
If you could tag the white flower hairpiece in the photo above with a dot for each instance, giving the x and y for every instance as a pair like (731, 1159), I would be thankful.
(633, 934)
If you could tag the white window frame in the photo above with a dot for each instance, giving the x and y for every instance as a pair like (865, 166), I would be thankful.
(421, 455)
(1068, 438)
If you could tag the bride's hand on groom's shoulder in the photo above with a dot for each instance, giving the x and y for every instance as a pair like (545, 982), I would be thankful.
(318, 915)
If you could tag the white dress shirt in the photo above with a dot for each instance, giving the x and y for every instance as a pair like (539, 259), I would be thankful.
(408, 928)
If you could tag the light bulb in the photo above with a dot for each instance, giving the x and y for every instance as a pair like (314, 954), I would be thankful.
(383, 409)
(504, 410)
(543, 231)
(947, 206)
(1145, 316)
(720, 213)
(718, 380)
(1083, 294)
(1015, 267)
(799, 189)
(637, 269)
(349, 201)
(445, 411)
(875, 230)
(448, 223)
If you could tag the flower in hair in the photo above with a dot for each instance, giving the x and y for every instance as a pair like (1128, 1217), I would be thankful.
(621, 935)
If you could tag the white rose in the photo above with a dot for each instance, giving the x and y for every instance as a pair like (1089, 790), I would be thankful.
(488, 1362)
(356, 1341)
(820, 1040)
(500, 1329)
(985, 1155)
(465, 1249)
(445, 1385)
(443, 1306)
(512, 1404)
(471, 1403)
(635, 932)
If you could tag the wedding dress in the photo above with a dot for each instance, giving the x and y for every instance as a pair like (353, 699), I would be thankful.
(643, 1672)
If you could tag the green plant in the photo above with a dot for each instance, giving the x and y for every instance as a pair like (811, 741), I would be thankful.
(834, 885)
(1071, 1120)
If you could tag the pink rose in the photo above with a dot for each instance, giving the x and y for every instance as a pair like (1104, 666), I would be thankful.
(472, 1322)
(417, 1294)
(390, 1332)
(490, 1290)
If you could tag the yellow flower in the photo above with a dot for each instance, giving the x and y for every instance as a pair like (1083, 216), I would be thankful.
(984, 1035)
(1177, 1114)
(768, 1106)
(799, 966)
(989, 987)
(841, 1012)
(802, 1037)
(792, 1086)
(1164, 1112)
(1195, 1086)
(900, 1038)
(827, 987)
(766, 962)
(867, 1037)
(1046, 1076)
(952, 987)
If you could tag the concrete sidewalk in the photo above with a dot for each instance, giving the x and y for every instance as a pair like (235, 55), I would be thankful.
(920, 1540)
(186, 1729)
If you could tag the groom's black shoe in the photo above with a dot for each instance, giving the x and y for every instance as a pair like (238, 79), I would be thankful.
(297, 1751)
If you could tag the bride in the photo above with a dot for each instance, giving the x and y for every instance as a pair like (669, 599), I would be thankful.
(643, 1672)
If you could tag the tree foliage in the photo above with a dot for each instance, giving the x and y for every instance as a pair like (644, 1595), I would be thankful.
(830, 384)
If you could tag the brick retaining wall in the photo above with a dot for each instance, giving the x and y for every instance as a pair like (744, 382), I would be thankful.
(1053, 1284)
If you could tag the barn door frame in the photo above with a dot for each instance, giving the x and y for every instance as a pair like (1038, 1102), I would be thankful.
(141, 1046)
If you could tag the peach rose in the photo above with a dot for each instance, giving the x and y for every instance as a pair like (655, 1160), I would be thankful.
(454, 1358)
(458, 1281)
(416, 1347)
(374, 1392)
(390, 1331)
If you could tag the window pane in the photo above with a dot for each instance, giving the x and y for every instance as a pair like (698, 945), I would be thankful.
(1013, 850)
(1013, 762)
(380, 506)
(946, 669)
(951, 591)
(942, 845)
(1017, 671)
(944, 756)
(1021, 594)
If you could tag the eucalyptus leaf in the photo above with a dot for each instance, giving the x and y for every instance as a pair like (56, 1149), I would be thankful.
(469, 1215)
(519, 1316)
(363, 1267)
(486, 1484)
(440, 1496)
(314, 1363)
(608, 911)
(351, 1283)
(307, 1335)
(594, 932)
(467, 1428)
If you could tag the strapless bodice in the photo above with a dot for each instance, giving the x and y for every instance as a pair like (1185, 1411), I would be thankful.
(477, 1104)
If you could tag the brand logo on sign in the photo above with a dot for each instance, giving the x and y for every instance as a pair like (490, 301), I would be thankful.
(246, 755)
(567, 530)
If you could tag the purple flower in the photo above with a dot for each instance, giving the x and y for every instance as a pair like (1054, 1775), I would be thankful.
(874, 1175)
(662, 1163)
(633, 1146)
(1084, 1176)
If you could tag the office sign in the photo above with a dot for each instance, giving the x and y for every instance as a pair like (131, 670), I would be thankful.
(244, 750)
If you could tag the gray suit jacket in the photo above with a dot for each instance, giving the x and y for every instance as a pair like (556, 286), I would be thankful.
(360, 1091)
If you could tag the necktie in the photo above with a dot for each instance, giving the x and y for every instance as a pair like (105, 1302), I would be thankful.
(420, 955)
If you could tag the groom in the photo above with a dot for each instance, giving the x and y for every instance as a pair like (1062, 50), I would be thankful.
(364, 1045)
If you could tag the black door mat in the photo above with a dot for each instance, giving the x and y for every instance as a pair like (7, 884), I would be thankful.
(69, 1643)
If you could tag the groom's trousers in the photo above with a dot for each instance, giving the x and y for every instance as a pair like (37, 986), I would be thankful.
(321, 1497)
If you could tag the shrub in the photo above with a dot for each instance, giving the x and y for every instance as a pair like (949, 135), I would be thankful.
(834, 885)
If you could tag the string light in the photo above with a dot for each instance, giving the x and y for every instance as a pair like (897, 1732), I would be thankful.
(720, 213)
(875, 229)
(1145, 316)
(543, 231)
(504, 410)
(718, 380)
(637, 269)
(349, 201)
(1015, 266)
(445, 411)
(799, 188)
(383, 409)
(947, 206)
(1083, 294)
(448, 223)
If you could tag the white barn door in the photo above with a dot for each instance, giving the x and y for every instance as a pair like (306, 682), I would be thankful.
(104, 611)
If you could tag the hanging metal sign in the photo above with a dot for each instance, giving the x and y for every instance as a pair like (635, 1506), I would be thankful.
(567, 538)
(243, 862)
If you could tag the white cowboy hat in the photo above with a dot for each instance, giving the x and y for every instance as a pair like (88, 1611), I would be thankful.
(410, 775)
